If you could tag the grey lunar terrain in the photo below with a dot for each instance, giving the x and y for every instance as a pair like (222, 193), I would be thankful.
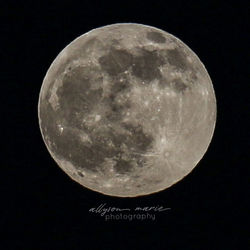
(127, 110)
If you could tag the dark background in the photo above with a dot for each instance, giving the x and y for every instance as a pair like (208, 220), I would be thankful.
(42, 208)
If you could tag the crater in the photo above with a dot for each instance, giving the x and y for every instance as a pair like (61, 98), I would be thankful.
(156, 37)
(80, 174)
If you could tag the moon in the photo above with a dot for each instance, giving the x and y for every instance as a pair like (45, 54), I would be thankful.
(127, 110)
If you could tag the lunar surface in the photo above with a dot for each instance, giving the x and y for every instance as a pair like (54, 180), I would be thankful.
(127, 110)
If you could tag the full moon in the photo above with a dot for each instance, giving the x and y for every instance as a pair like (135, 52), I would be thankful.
(127, 110)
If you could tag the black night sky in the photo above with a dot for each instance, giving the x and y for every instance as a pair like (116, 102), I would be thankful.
(42, 208)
